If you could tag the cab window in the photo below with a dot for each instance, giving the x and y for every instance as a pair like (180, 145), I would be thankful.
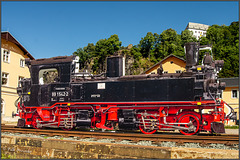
(47, 76)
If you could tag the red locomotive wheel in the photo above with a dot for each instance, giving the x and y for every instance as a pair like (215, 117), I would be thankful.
(66, 129)
(150, 124)
(34, 121)
(186, 118)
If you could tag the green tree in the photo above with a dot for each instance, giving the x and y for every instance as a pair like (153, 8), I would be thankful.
(170, 44)
(85, 54)
(103, 49)
(148, 45)
(154, 47)
(225, 47)
(187, 36)
(204, 41)
(135, 52)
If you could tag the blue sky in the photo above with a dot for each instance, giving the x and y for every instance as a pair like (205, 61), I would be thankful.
(49, 29)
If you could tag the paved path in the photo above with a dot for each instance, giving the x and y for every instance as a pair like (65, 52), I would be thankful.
(232, 131)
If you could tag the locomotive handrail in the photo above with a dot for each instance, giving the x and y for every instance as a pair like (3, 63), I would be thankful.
(55, 105)
(231, 111)
(16, 102)
(157, 106)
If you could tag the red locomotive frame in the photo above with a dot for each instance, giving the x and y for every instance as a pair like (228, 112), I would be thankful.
(151, 116)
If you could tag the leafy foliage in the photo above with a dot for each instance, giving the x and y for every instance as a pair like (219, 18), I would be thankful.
(225, 40)
(154, 47)
(187, 36)
(93, 57)
(103, 49)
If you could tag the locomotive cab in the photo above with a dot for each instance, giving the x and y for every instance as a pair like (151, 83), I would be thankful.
(51, 74)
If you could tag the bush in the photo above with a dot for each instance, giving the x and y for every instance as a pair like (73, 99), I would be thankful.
(232, 127)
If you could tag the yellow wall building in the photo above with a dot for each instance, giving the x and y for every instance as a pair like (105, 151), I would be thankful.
(13, 69)
(231, 95)
(170, 64)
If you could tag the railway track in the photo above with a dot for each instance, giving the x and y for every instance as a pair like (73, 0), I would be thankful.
(159, 137)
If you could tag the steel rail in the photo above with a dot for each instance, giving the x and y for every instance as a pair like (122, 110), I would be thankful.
(155, 138)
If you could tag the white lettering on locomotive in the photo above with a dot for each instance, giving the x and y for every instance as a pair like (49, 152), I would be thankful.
(95, 95)
(61, 99)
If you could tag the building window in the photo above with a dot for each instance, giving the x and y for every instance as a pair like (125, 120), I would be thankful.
(19, 79)
(178, 71)
(165, 71)
(22, 62)
(234, 93)
(6, 55)
(2, 106)
(5, 77)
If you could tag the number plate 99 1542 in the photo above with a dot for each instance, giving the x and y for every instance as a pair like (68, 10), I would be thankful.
(60, 94)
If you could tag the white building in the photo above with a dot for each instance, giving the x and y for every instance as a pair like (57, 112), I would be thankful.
(198, 29)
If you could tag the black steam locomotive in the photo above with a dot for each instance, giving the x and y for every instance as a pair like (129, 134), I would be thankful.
(57, 95)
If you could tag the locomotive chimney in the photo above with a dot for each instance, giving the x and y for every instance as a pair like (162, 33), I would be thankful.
(115, 66)
(192, 54)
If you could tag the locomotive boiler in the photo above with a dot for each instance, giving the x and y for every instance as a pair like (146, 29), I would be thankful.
(58, 96)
